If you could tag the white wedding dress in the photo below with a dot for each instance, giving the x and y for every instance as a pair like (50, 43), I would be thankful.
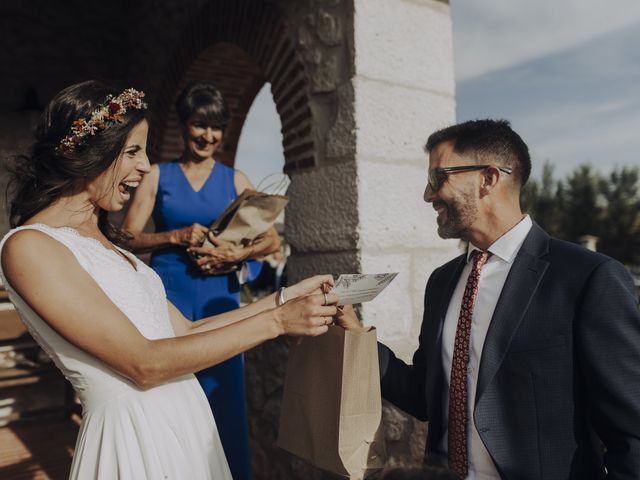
(165, 432)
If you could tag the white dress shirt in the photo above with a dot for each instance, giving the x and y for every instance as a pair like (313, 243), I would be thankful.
(492, 279)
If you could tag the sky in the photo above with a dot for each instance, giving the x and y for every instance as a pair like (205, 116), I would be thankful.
(259, 152)
(566, 74)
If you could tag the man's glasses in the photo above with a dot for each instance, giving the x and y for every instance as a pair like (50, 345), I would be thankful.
(438, 176)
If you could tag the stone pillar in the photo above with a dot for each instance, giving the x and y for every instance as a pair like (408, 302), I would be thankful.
(404, 90)
(361, 208)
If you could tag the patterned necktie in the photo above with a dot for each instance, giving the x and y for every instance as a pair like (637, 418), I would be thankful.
(458, 458)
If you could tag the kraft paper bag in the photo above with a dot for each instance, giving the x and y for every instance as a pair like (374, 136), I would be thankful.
(249, 216)
(246, 219)
(331, 406)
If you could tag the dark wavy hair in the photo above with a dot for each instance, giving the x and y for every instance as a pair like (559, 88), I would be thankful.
(205, 100)
(45, 174)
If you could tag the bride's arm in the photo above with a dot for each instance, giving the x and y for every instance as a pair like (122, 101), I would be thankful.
(64, 295)
(309, 286)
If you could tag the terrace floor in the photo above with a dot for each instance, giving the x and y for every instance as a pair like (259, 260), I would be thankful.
(38, 449)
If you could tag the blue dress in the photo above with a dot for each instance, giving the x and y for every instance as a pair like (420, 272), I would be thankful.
(197, 296)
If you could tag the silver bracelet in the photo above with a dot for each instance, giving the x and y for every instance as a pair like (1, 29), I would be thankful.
(280, 297)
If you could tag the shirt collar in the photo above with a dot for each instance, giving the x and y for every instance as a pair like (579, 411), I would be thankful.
(507, 246)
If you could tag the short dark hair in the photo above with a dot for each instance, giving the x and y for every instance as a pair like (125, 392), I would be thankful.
(205, 100)
(47, 172)
(491, 140)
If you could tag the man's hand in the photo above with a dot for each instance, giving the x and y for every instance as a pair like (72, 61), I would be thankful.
(347, 318)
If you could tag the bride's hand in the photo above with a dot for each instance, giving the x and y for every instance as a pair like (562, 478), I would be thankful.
(317, 284)
(308, 315)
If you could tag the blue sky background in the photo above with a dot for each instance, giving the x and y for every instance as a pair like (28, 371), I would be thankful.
(260, 146)
(565, 73)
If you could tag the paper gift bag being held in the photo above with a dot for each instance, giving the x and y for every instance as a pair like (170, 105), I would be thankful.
(250, 215)
(246, 219)
(331, 406)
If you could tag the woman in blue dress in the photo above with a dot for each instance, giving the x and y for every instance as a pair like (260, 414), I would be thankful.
(184, 197)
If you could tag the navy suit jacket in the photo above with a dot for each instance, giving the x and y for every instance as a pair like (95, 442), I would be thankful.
(559, 373)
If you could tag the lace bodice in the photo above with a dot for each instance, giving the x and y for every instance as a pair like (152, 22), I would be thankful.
(127, 432)
(138, 293)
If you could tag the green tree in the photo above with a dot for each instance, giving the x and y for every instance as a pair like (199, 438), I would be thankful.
(583, 204)
(620, 227)
(587, 203)
(544, 201)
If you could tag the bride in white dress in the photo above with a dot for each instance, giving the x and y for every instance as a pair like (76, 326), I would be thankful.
(102, 315)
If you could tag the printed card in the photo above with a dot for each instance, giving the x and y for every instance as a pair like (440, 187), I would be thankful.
(359, 288)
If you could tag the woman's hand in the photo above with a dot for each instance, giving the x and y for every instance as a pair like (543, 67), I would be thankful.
(317, 284)
(208, 265)
(265, 244)
(308, 315)
(193, 235)
(220, 255)
(346, 318)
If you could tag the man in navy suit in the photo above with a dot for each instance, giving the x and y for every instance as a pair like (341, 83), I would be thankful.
(528, 365)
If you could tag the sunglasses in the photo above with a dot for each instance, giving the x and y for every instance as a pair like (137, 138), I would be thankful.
(438, 176)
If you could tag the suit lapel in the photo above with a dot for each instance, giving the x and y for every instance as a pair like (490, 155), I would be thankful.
(447, 293)
(435, 374)
(519, 288)
(435, 360)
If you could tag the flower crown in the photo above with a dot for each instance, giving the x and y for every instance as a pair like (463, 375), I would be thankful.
(112, 111)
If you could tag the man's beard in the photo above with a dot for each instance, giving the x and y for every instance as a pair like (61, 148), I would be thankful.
(460, 214)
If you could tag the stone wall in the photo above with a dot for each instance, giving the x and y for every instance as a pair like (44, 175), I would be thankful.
(362, 209)
(404, 91)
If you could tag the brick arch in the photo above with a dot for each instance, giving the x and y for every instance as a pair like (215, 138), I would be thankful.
(238, 46)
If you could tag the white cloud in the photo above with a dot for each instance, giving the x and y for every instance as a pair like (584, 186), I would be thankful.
(580, 137)
(496, 34)
(577, 104)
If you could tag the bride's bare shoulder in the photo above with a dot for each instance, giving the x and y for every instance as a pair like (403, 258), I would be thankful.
(31, 249)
